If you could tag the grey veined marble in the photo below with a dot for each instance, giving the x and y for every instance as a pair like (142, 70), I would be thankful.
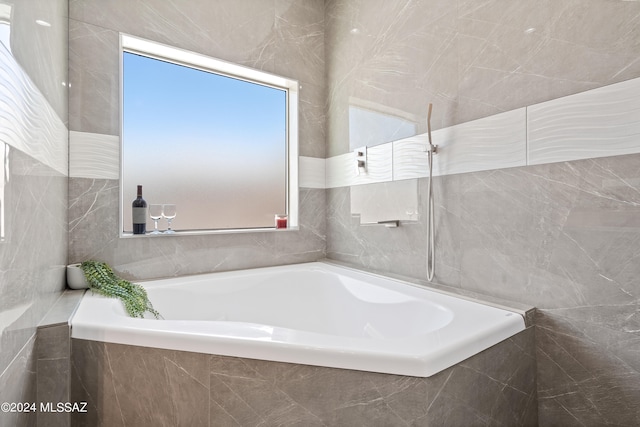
(563, 237)
(471, 59)
(33, 186)
(93, 227)
(137, 386)
(281, 37)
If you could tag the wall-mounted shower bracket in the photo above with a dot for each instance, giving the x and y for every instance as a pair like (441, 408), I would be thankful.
(433, 149)
(360, 156)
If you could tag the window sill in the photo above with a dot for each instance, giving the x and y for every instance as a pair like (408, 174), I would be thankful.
(129, 235)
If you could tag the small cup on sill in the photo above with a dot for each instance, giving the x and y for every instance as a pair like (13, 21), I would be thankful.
(281, 221)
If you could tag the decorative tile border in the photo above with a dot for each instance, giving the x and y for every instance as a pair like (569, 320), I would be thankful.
(597, 123)
(93, 155)
(342, 170)
(27, 121)
(312, 172)
(494, 142)
(97, 156)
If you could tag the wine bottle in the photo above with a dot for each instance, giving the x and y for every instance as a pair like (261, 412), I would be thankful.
(139, 213)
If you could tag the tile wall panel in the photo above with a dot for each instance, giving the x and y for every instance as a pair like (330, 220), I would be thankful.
(97, 156)
(94, 155)
(312, 172)
(33, 187)
(280, 37)
(560, 235)
(29, 122)
(493, 142)
(495, 387)
(343, 171)
(597, 123)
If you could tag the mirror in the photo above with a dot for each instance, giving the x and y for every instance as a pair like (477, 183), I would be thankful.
(372, 124)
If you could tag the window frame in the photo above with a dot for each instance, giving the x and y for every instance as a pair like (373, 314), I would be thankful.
(175, 55)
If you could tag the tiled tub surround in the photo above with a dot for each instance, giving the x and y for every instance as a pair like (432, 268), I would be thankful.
(563, 235)
(596, 123)
(96, 203)
(535, 234)
(41, 372)
(470, 59)
(130, 385)
(33, 187)
(53, 359)
(140, 386)
(312, 313)
(35, 219)
(281, 37)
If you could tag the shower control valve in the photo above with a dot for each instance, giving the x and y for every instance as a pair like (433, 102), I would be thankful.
(361, 160)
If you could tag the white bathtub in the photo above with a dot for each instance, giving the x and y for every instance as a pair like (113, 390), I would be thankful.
(315, 313)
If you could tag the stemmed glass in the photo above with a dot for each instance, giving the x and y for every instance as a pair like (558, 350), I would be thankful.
(169, 212)
(155, 212)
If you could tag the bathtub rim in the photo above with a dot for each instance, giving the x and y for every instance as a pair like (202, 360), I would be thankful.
(418, 365)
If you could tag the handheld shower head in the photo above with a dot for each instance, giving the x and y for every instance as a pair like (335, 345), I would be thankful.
(432, 148)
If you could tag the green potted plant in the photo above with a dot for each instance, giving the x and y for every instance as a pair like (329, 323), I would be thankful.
(102, 280)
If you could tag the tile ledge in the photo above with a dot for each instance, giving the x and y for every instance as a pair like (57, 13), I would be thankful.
(63, 309)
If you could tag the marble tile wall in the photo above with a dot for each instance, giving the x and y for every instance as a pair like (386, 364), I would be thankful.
(559, 236)
(494, 142)
(470, 59)
(599, 122)
(596, 123)
(53, 373)
(18, 384)
(53, 360)
(93, 227)
(33, 186)
(284, 37)
(562, 236)
(495, 387)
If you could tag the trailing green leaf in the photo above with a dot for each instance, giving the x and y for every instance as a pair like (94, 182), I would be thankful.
(103, 280)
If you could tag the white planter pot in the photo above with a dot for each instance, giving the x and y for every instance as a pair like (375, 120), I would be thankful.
(75, 277)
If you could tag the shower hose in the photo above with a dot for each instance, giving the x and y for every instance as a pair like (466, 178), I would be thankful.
(431, 250)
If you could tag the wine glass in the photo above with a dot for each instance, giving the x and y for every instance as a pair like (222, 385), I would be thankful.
(155, 212)
(169, 212)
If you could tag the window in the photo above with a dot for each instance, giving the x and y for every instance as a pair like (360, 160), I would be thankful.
(217, 139)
